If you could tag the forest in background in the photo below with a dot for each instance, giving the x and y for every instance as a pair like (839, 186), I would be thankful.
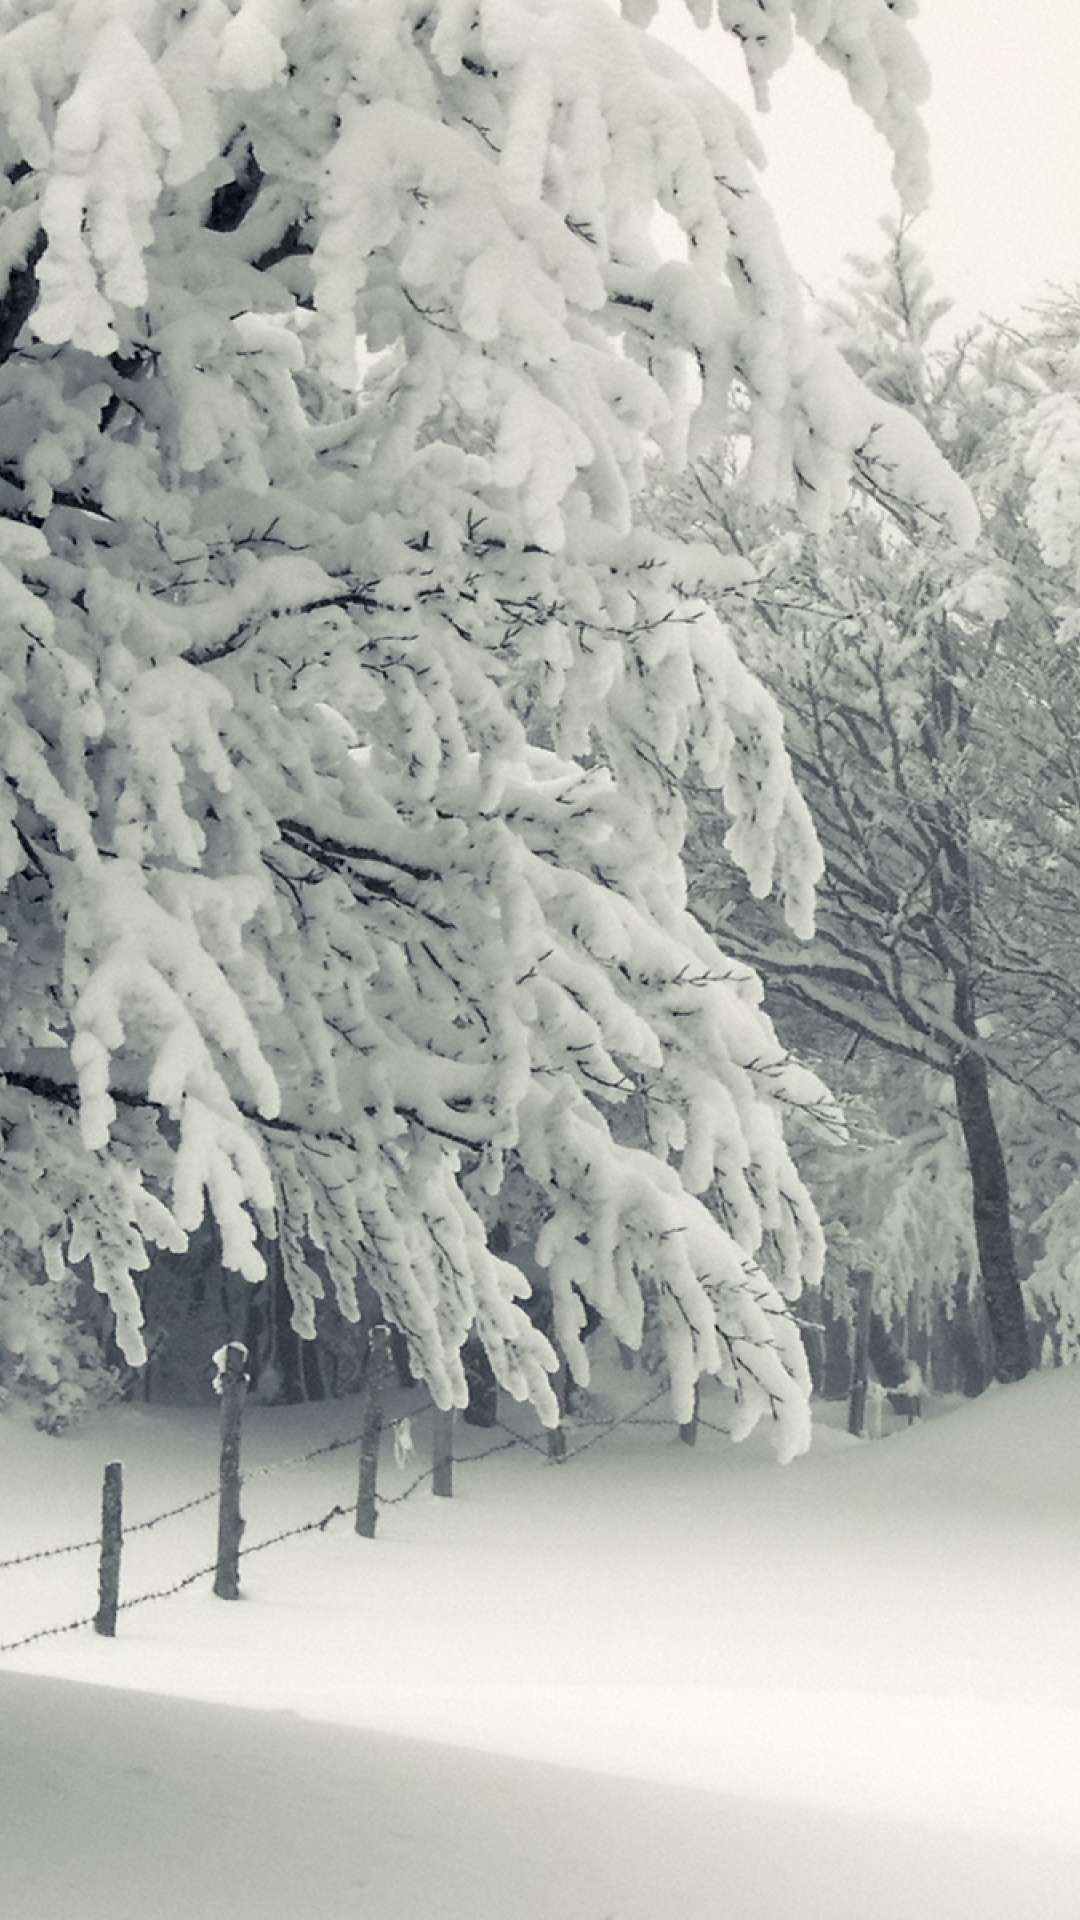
(929, 697)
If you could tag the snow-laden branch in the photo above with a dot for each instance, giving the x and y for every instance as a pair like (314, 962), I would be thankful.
(347, 708)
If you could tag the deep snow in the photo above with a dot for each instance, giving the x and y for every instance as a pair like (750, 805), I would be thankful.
(652, 1682)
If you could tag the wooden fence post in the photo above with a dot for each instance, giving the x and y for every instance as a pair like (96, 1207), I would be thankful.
(231, 1383)
(442, 1481)
(863, 1281)
(370, 1430)
(688, 1429)
(112, 1540)
(556, 1436)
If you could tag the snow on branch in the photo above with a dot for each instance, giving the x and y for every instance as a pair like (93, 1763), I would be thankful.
(348, 709)
(866, 41)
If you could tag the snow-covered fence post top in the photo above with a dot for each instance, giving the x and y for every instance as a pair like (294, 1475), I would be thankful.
(344, 724)
(230, 1382)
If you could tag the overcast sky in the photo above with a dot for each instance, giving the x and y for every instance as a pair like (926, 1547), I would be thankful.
(1004, 123)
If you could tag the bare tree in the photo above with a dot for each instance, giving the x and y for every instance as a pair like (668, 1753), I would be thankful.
(929, 698)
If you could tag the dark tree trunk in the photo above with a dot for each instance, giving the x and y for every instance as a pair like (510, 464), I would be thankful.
(483, 1406)
(19, 298)
(991, 1206)
(367, 1498)
(863, 1282)
(993, 1219)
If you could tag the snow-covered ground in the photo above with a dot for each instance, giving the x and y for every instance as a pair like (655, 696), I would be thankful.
(654, 1683)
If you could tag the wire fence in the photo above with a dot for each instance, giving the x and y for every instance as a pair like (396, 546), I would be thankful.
(249, 1475)
(573, 1446)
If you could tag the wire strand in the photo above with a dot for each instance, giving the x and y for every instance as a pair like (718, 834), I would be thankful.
(605, 1428)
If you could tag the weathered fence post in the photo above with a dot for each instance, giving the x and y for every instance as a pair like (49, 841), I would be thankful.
(231, 1384)
(556, 1440)
(863, 1281)
(688, 1429)
(112, 1540)
(370, 1430)
(442, 1481)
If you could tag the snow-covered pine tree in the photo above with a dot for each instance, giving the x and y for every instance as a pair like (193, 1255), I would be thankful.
(345, 705)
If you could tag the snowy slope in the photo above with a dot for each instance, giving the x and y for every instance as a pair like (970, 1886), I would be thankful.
(121, 1806)
(652, 1682)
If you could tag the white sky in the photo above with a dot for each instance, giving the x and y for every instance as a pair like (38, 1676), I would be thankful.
(1004, 124)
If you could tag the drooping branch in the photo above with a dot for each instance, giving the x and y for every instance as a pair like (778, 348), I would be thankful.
(355, 863)
(65, 1093)
(361, 597)
(326, 848)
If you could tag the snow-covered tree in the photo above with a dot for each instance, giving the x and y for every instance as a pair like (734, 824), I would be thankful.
(345, 704)
(930, 700)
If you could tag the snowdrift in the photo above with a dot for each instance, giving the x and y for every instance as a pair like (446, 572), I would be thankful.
(653, 1684)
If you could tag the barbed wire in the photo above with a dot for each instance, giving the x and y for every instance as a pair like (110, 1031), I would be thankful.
(396, 1499)
(501, 1446)
(170, 1513)
(522, 1440)
(45, 1633)
(290, 1533)
(166, 1593)
(143, 1526)
(625, 1420)
(299, 1459)
(177, 1586)
(49, 1553)
(336, 1445)
(605, 1428)
(185, 1506)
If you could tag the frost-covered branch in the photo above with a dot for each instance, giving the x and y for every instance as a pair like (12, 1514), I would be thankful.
(347, 707)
